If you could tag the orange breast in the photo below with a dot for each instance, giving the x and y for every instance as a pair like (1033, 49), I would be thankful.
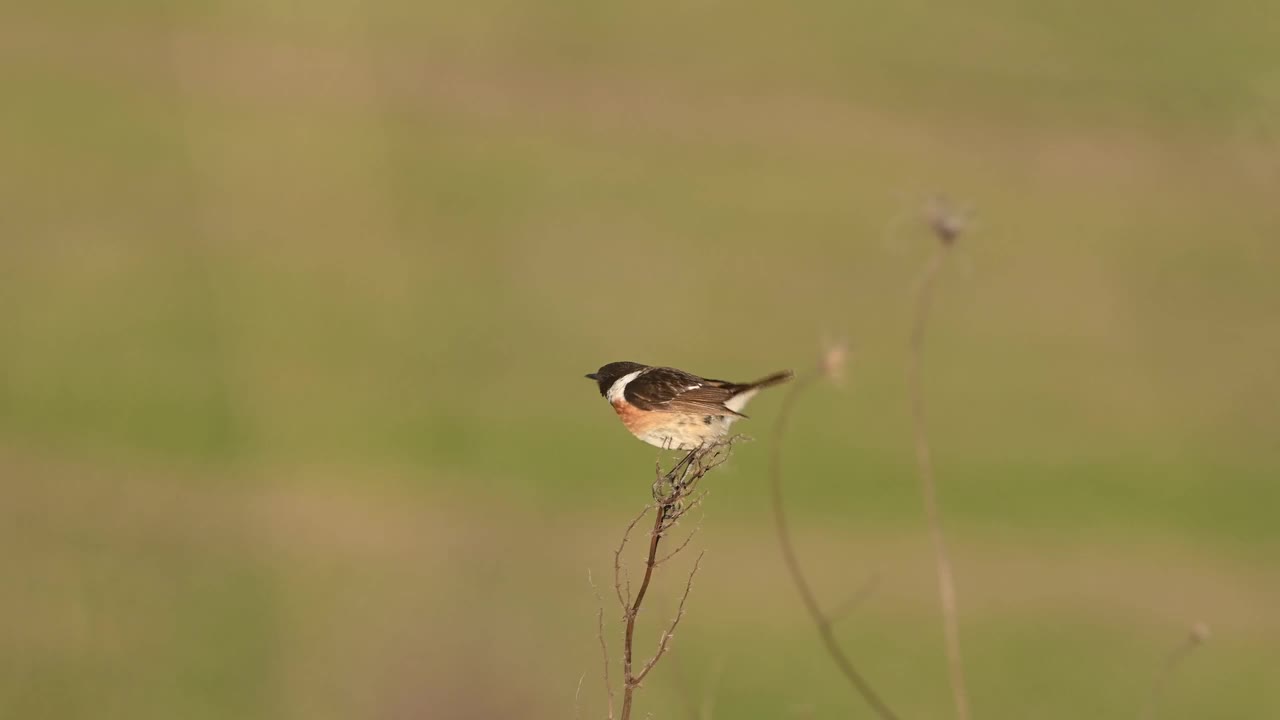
(639, 421)
(674, 431)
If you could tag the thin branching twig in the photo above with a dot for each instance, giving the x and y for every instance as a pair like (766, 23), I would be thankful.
(686, 542)
(604, 648)
(577, 698)
(621, 580)
(670, 632)
(947, 227)
(675, 494)
(807, 596)
(632, 611)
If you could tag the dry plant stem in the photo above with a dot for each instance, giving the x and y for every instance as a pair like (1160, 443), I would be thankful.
(855, 600)
(683, 480)
(928, 487)
(577, 698)
(620, 577)
(628, 689)
(665, 640)
(680, 547)
(1171, 663)
(820, 619)
(604, 648)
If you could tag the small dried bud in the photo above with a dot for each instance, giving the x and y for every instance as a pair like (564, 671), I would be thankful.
(1200, 633)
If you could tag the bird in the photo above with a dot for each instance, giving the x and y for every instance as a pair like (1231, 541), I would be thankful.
(673, 409)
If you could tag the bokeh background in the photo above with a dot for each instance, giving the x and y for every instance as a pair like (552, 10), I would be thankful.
(296, 300)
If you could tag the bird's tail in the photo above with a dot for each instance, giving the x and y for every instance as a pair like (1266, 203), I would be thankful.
(774, 379)
(743, 393)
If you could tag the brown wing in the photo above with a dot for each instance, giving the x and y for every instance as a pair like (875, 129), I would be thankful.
(672, 390)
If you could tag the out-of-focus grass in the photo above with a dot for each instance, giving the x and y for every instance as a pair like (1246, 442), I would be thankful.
(143, 596)
(295, 304)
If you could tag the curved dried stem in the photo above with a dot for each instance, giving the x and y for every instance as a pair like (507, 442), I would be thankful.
(928, 486)
(820, 619)
(1198, 636)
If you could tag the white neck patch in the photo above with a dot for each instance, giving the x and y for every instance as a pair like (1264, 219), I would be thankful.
(616, 389)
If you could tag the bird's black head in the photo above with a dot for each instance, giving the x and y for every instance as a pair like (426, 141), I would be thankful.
(606, 376)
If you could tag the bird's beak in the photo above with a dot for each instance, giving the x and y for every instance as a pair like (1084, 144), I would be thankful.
(592, 376)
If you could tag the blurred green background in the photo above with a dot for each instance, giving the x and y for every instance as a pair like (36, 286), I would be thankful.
(296, 300)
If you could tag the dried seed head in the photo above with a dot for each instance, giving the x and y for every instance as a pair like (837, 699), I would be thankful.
(832, 361)
(946, 222)
(1200, 633)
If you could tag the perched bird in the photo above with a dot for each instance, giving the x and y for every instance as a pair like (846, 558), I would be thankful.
(674, 409)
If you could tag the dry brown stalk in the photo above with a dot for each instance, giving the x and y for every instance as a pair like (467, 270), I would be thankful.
(629, 678)
(675, 494)
(681, 546)
(947, 226)
(820, 619)
(577, 698)
(1198, 636)
(675, 621)
(621, 579)
(856, 599)
(604, 648)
